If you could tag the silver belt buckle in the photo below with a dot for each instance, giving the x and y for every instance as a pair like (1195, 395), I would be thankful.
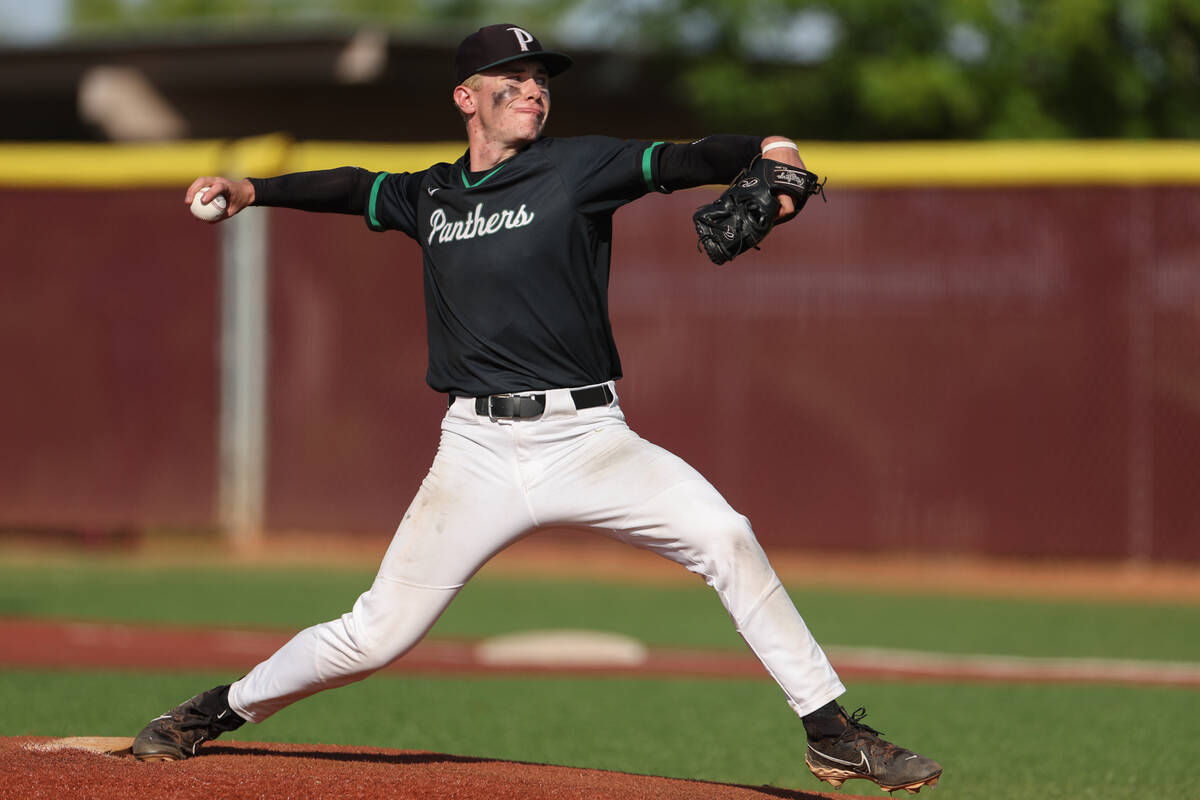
(491, 411)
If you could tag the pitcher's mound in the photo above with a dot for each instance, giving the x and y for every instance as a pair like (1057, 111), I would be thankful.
(105, 745)
(101, 768)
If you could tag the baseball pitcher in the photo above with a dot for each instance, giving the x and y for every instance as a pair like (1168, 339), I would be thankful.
(516, 237)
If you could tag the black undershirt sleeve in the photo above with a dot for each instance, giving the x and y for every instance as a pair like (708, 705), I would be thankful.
(714, 159)
(344, 190)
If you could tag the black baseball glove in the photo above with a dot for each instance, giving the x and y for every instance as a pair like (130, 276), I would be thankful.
(745, 212)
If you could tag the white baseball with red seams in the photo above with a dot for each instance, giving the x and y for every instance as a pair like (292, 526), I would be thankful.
(210, 211)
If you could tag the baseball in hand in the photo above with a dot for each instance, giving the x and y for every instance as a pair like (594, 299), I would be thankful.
(214, 210)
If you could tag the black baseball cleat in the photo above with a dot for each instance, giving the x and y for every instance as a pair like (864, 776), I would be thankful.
(860, 752)
(176, 734)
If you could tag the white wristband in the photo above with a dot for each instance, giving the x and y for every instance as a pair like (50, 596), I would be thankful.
(777, 145)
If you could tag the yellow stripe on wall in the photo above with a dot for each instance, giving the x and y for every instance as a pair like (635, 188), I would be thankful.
(105, 166)
(374, 157)
(112, 166)
(905, 164)
(1006, 163)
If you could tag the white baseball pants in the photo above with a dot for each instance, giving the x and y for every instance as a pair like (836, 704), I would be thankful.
(494, 480)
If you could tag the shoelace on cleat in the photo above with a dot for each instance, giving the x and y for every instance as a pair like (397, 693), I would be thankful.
(856, 721)
(866, 736)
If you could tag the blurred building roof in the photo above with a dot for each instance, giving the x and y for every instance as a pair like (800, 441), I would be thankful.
(359, 85)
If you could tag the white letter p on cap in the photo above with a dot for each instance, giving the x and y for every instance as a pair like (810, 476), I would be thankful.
(524, 37)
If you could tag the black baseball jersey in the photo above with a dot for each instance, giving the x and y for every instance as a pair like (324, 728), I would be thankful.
(516, 260)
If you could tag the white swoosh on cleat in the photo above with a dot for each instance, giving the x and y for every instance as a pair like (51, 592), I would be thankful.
(863, 762)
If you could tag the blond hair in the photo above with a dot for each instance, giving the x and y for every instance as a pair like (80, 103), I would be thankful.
(474, 83)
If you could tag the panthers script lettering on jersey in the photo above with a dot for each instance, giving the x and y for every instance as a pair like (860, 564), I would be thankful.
(476, 223)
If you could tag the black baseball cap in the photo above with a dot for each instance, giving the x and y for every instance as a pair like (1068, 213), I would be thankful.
(494, 45)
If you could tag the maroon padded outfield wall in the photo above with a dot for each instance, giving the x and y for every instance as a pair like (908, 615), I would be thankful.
(947, 370)
(107, 334)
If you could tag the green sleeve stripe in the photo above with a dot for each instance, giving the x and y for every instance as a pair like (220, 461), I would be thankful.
(371, 218)
(646, 170)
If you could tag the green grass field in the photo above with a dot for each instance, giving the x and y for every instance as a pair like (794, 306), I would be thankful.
(995, 740)
(676, 615)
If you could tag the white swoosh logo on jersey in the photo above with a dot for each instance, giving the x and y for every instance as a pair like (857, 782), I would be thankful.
(433, 190)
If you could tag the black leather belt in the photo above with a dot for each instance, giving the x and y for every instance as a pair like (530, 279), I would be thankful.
(524, 406)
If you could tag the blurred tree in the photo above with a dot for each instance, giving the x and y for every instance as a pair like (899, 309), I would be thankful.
(901, 69)
(838, 69)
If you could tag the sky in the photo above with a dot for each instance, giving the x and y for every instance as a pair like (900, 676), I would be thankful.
(31, 20)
